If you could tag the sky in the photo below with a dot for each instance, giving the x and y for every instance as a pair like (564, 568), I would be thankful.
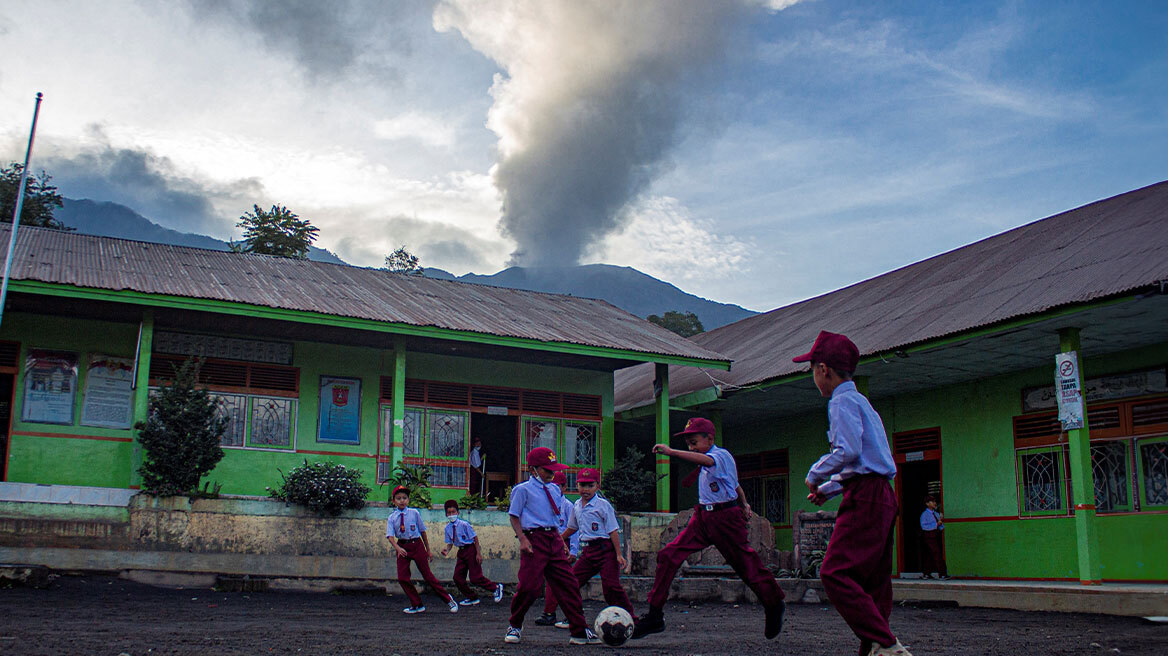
(757, 152)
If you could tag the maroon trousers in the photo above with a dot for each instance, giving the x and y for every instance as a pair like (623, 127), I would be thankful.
(598, 557)
(857, 568)
(932, 556)
(547, 561)
(467, 561)
(726, 530)
(416, 553)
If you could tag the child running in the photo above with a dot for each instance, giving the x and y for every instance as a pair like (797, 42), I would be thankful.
(461, 535)
(594, 520)
(720, 520)
(407, 534)
(549, 600)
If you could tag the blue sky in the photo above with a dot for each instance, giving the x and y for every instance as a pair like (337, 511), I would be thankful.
(750, 152)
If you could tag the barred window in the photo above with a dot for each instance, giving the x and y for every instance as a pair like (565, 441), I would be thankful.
(233, 408)
(1042, 488)
(767, 496)
(1109, 468)
(1154, 471)
(447, 435)
(271, 421)
(447, 476)
(581, 443)
(541, 433)
(412, 432)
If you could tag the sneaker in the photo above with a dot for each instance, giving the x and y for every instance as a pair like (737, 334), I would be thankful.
(414, 609)
(498, 592)
(468, 602)
(926, 576)
(452, 605)
(653, 622)
(945, 577)
(774, 620)
(589, 638)
(547, 619)
(895, 650)
(513, 635)
(562, 624)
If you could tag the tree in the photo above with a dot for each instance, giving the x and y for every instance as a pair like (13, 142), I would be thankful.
(40, 198)
(686, 325)
(180, 438)
(275, 232)
(403, 261)
(631, 482)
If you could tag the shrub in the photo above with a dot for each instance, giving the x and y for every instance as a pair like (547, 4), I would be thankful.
(503, 503)
(630, 485)
(323, 487)
(472, 502)
(417, 479)
(180, 437)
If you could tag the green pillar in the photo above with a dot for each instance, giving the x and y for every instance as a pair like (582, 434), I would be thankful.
(861, 384)
(397, 439)
(1082, 479)
(661, 404)
(716, 420)
(142, 388)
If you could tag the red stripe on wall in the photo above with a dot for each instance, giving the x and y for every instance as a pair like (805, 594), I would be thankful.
(1002, 518)
(73, 437)
(337, 453)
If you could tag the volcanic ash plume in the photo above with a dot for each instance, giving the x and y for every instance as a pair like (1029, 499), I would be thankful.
(589, 106)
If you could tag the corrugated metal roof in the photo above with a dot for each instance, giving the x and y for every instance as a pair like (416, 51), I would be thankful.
(1106, 248)
(118, 264)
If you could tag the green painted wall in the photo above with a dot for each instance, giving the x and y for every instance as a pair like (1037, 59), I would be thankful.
(978, 475)
(250, 471)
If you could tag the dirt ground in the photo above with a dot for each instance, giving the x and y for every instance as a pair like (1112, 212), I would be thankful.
(97, 615)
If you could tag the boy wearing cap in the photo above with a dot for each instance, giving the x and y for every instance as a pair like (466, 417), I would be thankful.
(461, 535)
(535, 518)
(719, 520)
(857, 568)
(549, 604)
(594, 521)
(407, 535)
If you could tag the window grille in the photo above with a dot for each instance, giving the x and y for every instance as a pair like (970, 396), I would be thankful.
(767, 496)
(1040, 479)
(412, 432)
(447, 476)
(484, 396)
(581, 445)
(1154, 471)
(271, 421)
(233, 408)
(447, 435)
(541, 433)
(1109, 468)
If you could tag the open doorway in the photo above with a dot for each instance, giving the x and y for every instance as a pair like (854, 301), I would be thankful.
(6, 382)
(915, 480)
(499, 435)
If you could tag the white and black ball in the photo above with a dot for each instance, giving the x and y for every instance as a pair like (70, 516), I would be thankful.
(614, 625)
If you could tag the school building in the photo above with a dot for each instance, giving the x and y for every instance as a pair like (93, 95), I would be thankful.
(306, 360)
(958, 355)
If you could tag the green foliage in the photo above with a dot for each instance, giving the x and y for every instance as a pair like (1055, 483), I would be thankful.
(417, 479)
(207, 492)
(40, 198)
(630, 484)
(686, 325)
(180, 438)
(275, 232)
(323, 487)
(472, 502)
(402, 261)
(503, 503)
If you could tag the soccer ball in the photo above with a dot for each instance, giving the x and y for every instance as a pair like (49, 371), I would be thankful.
(614, 625)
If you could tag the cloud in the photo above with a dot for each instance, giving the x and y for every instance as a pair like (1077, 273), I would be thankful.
(436, 243)
(593, 98)
(419, 127)
(150, 184)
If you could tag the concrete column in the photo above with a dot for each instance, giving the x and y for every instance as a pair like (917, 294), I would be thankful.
(661, 404)
(142, 388)
(397, 436)
(1082, 479)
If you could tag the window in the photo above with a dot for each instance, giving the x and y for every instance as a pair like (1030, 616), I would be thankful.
(272, 419)
(768, 497)
(435, 437)
(576, 443)
(1109, 468)
(233, 408)
(1041, 485)
(1153, 472)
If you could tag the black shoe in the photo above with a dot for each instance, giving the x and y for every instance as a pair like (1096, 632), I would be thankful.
(926, 576)
(774, 619)
(653, 622)
(546, 619)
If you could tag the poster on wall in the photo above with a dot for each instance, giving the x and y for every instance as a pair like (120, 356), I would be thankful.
(1070, 394)
(109, 399)
(50, 378)
(340, 410)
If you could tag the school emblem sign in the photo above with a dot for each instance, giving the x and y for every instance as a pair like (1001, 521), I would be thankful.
(1068, 391)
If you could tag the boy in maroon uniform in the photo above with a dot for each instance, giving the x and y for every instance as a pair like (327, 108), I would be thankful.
(407, 534)
(461, 535)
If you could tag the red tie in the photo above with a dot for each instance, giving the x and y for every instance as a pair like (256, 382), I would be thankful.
(551, 502)
(402, 527)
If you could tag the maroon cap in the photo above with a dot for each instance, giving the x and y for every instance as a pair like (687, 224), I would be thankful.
(560, 479)
(836, 351)
(450, 503)
(588, 476)
(400, 488)
(541, 456)
(697, 425)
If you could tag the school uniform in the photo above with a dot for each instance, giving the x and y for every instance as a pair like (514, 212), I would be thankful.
(461, 534)
(857, 568)
(717, 521)
(594, 522)
(536, 506)
(933, 558)
(406, 527)
(549, 599)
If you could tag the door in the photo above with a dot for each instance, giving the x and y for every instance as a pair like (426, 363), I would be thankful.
(918, 473)
(498, 435)
(6, 383)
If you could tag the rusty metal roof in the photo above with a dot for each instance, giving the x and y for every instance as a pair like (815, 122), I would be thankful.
(108, 263)
(1099, 250)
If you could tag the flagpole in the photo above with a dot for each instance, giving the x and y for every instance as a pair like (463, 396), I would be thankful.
(19, 205)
